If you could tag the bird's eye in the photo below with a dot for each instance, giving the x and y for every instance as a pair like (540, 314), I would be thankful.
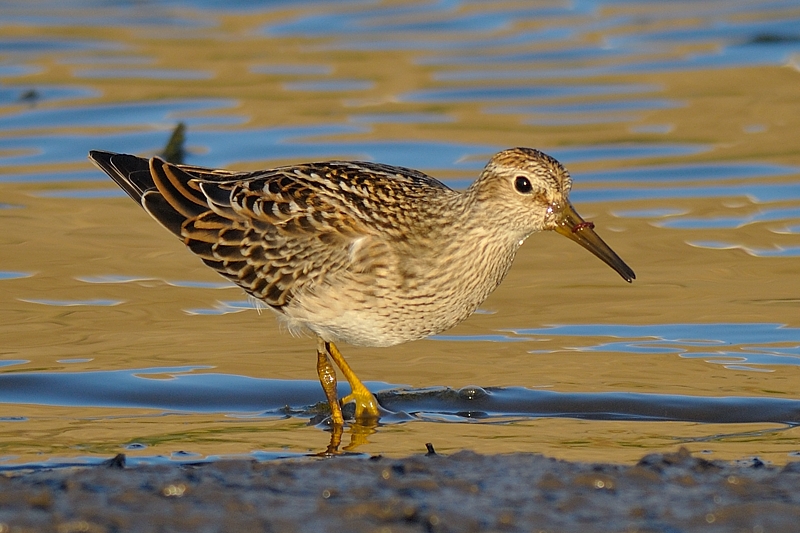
(523, 184)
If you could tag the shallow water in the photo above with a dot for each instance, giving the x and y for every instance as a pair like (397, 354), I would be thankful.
(679, 124)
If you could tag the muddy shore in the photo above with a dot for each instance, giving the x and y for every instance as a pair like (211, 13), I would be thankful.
(463, 492)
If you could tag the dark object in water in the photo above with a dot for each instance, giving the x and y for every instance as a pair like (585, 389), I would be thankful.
(30, 96)
(118, 461)
(773, 38)
(174, 151)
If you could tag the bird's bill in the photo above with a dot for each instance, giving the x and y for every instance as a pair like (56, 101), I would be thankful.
(571, 225)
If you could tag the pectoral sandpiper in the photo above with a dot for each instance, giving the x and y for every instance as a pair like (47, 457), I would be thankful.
(364, 253)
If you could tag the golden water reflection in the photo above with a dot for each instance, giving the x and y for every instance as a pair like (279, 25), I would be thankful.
(441, 101)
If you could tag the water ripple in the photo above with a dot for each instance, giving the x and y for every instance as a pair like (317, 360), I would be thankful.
(163, 113)
(737, 346)
(101, 302)
(755, 251)
(183, 389)
(10, 274)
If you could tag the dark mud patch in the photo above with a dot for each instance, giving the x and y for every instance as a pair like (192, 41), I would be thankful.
(463, 492)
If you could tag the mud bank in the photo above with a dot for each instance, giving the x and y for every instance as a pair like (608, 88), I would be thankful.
(463, 492)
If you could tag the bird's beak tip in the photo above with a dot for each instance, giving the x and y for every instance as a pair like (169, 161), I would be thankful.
(572, 226)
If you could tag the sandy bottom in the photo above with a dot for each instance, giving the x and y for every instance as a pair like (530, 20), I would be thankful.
(463, 492)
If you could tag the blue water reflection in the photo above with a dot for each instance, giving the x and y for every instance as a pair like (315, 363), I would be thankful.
(115, 60)
(567, 53)
(54, 176)
(29, 46)
(116, 278)
(734, 43)
(740, 346)
(597, 106)
(11, 71)
(292, 70)
(732, 222)
(94, 302)
(11, 274)
(764, 192)
(329, 85)
(300, 143)
(86, 13)
(138, 114)
(756, 251)
(226, 307)
(402, 118)
(184, 388)
(80, 193)
(696, 173)
(146, 73)
(193, 389)
(490, 93)
(745, 33)
(437, 17)
(45, 93)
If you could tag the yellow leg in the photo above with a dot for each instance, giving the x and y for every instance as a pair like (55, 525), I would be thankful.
(366, 404)
(327, 378)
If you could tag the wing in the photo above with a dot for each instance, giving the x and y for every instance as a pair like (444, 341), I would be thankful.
(275, 232)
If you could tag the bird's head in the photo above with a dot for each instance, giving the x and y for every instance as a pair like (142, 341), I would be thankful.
(528, 191)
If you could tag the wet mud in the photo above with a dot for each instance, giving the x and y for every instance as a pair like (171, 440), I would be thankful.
(463, 492)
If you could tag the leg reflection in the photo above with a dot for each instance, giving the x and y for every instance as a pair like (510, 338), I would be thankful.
(359, 435)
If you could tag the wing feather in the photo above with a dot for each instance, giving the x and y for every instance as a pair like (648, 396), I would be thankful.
(275, 233)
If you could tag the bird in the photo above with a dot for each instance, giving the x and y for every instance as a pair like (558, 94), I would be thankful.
(359, 252)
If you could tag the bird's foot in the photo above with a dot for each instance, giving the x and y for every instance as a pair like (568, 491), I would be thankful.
(366, 406)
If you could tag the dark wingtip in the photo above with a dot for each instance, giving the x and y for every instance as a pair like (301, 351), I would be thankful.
(100, 157)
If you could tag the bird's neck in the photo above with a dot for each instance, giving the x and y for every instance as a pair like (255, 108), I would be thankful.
(479, 253)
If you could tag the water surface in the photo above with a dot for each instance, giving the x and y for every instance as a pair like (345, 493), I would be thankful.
(678, 123)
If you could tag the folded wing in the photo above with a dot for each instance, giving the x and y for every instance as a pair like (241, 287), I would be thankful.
(273, 233)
